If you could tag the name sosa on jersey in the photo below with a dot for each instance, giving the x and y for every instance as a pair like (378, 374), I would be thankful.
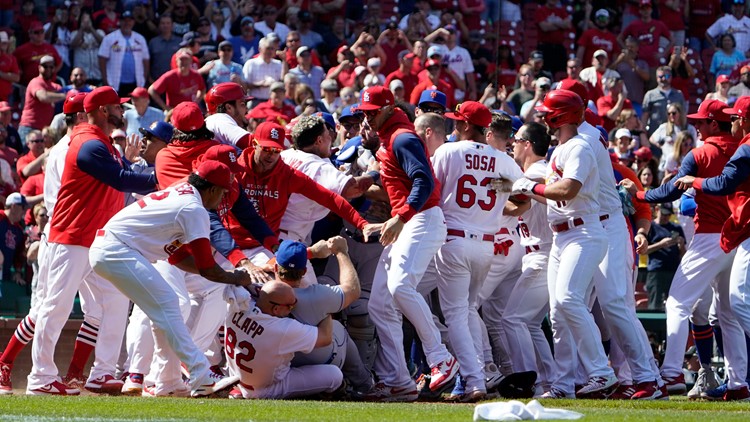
(480, 162)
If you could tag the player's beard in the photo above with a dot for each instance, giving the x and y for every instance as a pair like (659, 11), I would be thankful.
(116, 122)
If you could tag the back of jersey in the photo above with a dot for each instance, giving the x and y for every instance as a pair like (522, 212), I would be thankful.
(466, 170)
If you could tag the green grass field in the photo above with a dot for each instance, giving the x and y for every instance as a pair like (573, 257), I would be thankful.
(14, 408)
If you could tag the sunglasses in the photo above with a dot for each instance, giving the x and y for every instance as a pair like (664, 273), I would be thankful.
(293, 40)
(524, 74)
(672, 113)
(36, 141)
(270, 150)
(371, 113)
(436, 110)
(38, 31)
(663, 76)
(291, 306)
(48, 66)
(735, 118)
(228, 49)
(519, 140)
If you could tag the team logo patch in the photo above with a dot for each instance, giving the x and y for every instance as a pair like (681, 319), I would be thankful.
(366, 97)
(433, 94)
(274, 134)
(232, 157)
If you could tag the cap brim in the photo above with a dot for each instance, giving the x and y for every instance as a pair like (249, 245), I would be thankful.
(368, 107)
(270, 144)
(454, 116)
(431, 102)
(696, 116)
(724, 110)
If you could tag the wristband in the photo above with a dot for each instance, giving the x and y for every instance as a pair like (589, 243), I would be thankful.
(539, 189)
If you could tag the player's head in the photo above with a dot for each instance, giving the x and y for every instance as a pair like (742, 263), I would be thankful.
(499, 135)
(104, 108)
(431, 128)
(268, 141)
(377, 105)
(189, 124)
(156, 137)
(212, 179)
(563, 110)
(350, 121)
(531, 141)
(310, 134)
(291, 262)
(73, 109)
(431, 101)
(277, 299)
(471, 119)
(229, 98)
(710, 119)
(740, 113)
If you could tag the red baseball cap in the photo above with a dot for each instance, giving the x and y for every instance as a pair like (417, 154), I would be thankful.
(645, 3)
(223, 153)
(35, 26)
(472, 112)
(74, 103)
(216, 173)
(644, 153)
(432, 62)
(257, 113)
(187, 117)
(711, 109)
(139, 92)
(722, 78)
(104, 95)
(5, 106)
(376, 97)
(269, 134)
(741, 107)
(744, 69)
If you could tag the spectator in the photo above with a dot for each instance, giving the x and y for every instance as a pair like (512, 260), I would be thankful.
(41, 95)
(597, 38)
(33, 190)
(666, 134)
(648, 32)
(223, 69)
(6, 120)
(162, 47)
(180, 85)
(293, 44)
(306, 71)
(420, 56)
(623, 147)
(7, 154)
(141, 115)
(290, 88)
(721, 90)
(304, 97)
(397, 89)
(261, 72)
(554, 23)
(13, 247)
(334, 39)
(373, 77)
(506, 71)
(184, 16)
(28, 54)
(191, 43)
(436, 53)
(634, 72)
(78, 82)
(644, 158)
(276, 104)
(536, 61)
(393, 41)
(572, 70)
(365, 47)
(666, 245)
(434, 82)
(208, 45)
(343, 73)
(270, 22)
(246, 44)
(330, 95)
(682, 72)
(524, 93)
(655, 101)
(220, 24)
(682, 145)
(144, 19)
(613, 102)
(107, 19)
(701, 14)
(9, 71)
(742, 88)
(459, 62)
(420, 19)
(481, 56)
(308, 37)
(647, 176)
(31, 163)
(124, 57)
(629, 120)
(735, 23)
(403, 73)
(592, 76)
(33, 237)
(672, 14)
(726, 57)
(58, 34)
(84, 43)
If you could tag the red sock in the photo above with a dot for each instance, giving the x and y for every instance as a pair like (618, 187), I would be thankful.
(85, 344)
(23, 335)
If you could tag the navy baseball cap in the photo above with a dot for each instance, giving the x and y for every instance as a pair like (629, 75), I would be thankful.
(292, 255)
(161, 130)
(328, 117)
(433, 96)
(350, 111)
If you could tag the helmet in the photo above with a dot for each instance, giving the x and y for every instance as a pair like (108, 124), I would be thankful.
(562, 107)
(575, 86)
(223, 93)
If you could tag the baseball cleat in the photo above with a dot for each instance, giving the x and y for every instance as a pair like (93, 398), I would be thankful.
(556, 393)
(623, 392)
(598, 387)
(215, 384)
(492, 376)
(55, 388)
(675, 385)
(133, 385)
(740, 394)
(648, 390)
(75, 381)
(706, 381)
(6, 387)
(518, 385)
(383, 393)
(150, 391)
(442, 373)
(715, 394)
(236, 394)
(459, 389)
(473, 396)
(106, 384)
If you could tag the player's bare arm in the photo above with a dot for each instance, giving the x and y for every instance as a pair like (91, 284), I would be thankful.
(325, 332)
(348, 278)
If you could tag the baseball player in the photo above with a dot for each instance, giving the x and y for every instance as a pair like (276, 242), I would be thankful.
(614, 278)
(227, 107)
(466, 170)
(528, 302)
(572, 188)
(412, 236)
(733, 181)
(170, 223)
(86, 339)
(695, 273)
(431, 101)
(261, 341)
(93, 174)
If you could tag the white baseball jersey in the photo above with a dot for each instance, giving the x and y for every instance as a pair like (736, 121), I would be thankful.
(574, 160)
(225, 128)
(533, 225)
(609, 199)
(260, 347)
(53, 171)
(302, 212)
(160, 223)
(465, 170)
(459, 61)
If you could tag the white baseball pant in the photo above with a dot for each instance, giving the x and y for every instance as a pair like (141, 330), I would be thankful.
(574, 258)
(299, 382)
(394, 292)
(704, 263)
(739, 287)
(135, 276)
(463, 264)
(69, 270)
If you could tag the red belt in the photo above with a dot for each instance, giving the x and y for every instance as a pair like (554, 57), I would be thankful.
(100, 233)
(461, 233)
(533, 248)
(578, 221)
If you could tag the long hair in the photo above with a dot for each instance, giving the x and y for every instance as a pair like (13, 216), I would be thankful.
(194, 135)
(672, 128)
(682, 137)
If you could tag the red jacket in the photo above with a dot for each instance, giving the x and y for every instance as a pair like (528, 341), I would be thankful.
(711, 158)
(175, 162)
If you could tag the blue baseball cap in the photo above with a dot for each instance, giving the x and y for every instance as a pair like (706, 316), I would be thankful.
(348, 151)
(292, 255)
(433, 96)
(328, 117)
(516, 123)
(350, 111)
(161, 130)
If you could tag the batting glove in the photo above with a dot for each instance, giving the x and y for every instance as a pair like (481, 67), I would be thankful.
(523, 186)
